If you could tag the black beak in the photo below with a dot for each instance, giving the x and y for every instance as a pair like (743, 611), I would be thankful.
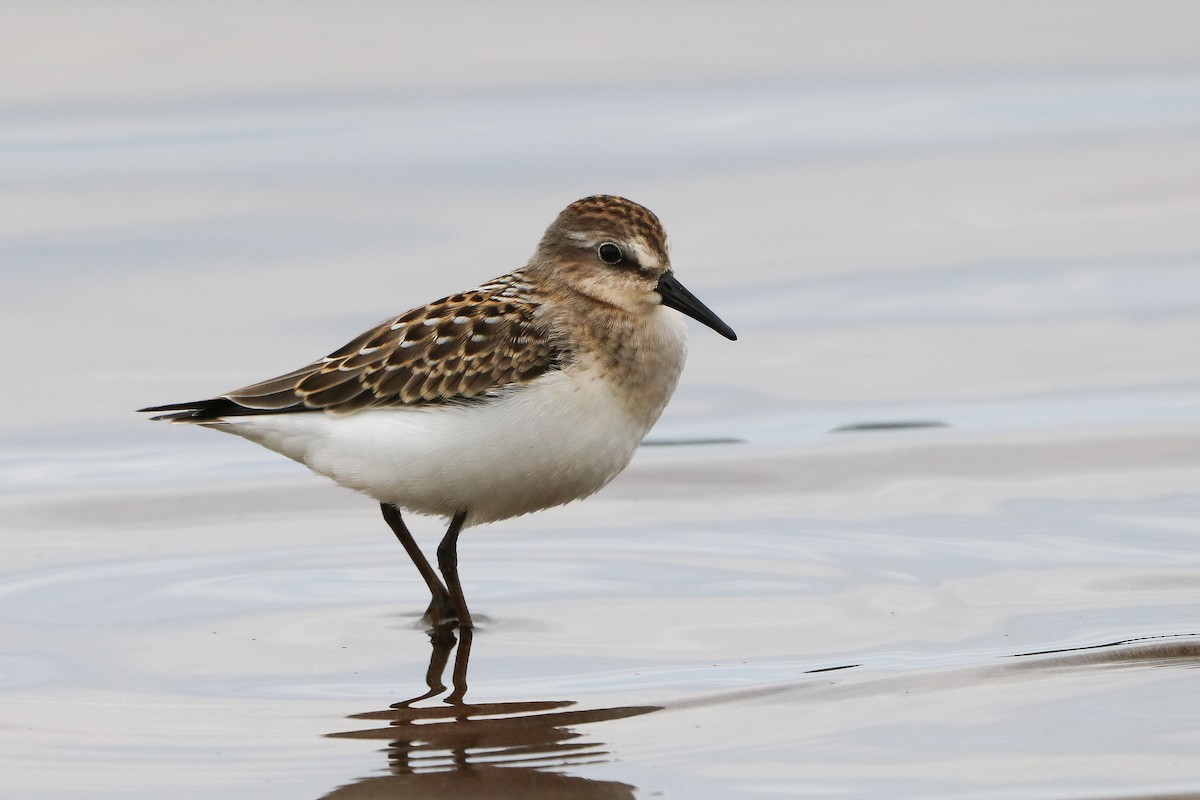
(675, 296)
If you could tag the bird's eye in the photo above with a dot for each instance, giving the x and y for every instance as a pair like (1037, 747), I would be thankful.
(609, 253)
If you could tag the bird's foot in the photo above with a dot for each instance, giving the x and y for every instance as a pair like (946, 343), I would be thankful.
(443, 618)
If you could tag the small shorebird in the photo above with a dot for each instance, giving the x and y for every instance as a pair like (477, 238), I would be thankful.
(528, 392)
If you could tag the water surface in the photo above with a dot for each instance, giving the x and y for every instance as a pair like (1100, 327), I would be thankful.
(929, 528)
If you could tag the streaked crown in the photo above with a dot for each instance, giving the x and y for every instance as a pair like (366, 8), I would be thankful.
(601, 218)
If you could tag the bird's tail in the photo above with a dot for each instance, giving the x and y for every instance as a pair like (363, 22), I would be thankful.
(208, 410)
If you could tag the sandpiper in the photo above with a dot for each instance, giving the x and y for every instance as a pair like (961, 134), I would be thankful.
(528, 392)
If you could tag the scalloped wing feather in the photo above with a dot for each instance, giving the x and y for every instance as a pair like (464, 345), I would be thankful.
(457, 348)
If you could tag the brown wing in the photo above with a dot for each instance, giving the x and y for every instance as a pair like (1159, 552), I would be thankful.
(457, 348)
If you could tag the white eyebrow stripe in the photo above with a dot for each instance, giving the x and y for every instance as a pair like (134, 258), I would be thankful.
(644, 254)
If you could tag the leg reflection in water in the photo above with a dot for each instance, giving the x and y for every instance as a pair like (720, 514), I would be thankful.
(500, 750)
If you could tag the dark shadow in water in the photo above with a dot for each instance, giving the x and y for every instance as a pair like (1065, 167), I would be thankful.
(1178, 650)
(1172, 651)
(486, 750)
(890, 425)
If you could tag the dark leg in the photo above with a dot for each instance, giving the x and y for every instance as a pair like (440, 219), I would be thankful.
(447, 553)
(442, 607)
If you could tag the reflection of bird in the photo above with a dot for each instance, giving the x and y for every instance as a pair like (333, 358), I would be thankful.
(494, 750)
(487, 781)
(530, 391)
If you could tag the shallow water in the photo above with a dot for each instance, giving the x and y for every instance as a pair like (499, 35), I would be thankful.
(929, 528)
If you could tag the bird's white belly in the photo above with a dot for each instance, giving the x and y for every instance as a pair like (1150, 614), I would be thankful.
(557, 439)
